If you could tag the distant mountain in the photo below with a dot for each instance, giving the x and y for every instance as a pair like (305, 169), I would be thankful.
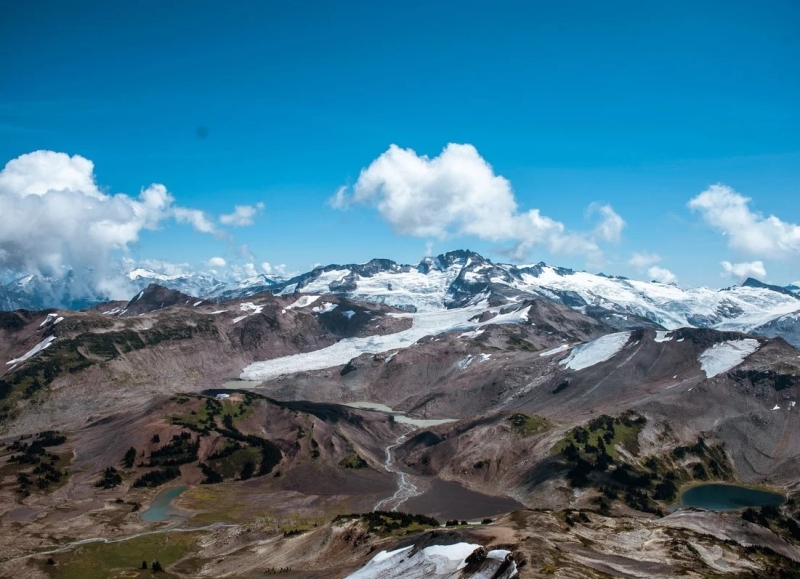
(460, 278)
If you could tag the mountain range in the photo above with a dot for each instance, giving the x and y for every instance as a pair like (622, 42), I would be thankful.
(462, 277)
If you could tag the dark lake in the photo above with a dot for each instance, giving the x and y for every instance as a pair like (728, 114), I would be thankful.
(449, 500)
(724, 497)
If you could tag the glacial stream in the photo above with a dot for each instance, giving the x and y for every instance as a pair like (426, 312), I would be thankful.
(406, 489)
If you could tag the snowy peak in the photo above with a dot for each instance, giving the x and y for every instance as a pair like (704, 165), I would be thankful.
(752, 282)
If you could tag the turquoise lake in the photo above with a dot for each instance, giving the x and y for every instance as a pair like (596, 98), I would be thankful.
(162, 509)
(724, 497)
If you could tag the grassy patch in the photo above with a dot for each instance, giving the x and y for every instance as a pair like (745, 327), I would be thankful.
(231, 466)
(388, 524)
(123, 559)
(529, 424)
(353, 461)
(623, 430)
(518, 343)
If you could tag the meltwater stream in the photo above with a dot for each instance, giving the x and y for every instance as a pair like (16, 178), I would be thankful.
(406, 489)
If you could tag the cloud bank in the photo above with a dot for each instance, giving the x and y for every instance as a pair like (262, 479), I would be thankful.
(747, 231)
(458, 194)
(56, 219)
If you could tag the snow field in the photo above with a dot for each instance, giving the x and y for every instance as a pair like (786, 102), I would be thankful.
(599, 350)
(723, 356)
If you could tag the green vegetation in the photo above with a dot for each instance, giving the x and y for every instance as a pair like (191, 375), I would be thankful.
(103, 560)
(391, 523)
(157, 477)
(518, 343)
(130, 458)
(180, 450)
(109, 479)
(643, 483)
(353, 461)
(212, 476)
(46, 468)
(242, 455)
(623, 430)
(529, 424)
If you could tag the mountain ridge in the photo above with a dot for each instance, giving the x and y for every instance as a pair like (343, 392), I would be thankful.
(460, 278)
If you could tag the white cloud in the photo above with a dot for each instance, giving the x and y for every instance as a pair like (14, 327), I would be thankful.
(744, 270)
(644, 260)
(216, 262)
(662, 274)
(242, 215)
(55, 218)
(247, 270)
(274, 269)
(458, 193)
(747, 231)
(195, 218)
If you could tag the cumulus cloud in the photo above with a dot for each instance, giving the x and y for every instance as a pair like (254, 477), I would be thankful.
(744, 270)
(217, 262)
(458, 194)
(55, 218)
(747, 231)
(644, 259)
(662, 274)
(242, 215)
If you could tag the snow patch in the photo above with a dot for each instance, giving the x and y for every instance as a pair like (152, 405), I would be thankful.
(49, 319)
(776, 407)
(251, 307)
(662, 336)
(485, 358)
(33, 351)
(464, 364)
(725, 355)
(218, 312)
(324, 308)
(348, 314)
(599, 350)
(59, 319)
(473, 334)
(557, 350)
(198, 303)
(434, 562)
(303, 302)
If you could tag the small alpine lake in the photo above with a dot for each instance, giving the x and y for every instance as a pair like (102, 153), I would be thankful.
(728, 497)
(162, 509)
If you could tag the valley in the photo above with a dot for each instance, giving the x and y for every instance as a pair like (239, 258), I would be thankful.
(381, 420)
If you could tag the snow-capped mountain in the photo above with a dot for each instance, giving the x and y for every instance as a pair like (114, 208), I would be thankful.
(460, 278)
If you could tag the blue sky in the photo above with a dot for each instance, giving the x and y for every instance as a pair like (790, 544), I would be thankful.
(633, 105)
